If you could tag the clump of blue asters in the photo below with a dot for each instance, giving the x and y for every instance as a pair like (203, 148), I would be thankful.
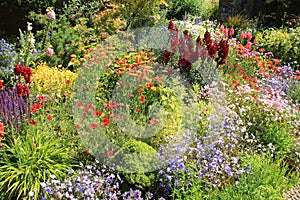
(91, 182)
(7, 60)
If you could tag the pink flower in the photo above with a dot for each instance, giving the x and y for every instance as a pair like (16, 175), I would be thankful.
(231, 32)
(49, 52)
(249, 36)
(255, 41)
(51, 14)
(222, 28)
(243, 35)
(226, 32)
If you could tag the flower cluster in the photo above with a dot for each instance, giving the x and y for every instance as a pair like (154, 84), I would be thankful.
(188, 54)
(92, 182)
(53, 81)
(24, 71)
(214, 157)
(213, 47)
(7, 59)
(14, 108)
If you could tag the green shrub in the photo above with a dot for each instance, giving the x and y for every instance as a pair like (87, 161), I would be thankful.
(139, 151)
(204, 9)
(284, 43)
(29, 160)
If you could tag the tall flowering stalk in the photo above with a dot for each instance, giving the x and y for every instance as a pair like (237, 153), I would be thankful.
(14, 106)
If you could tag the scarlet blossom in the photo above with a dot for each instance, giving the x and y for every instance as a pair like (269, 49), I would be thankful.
(140, 91)
(105, 122)
(1, 85)
(77, 126)
(1, 130)
(85, 150)
(79, 104)
(19, 89)
(93, 126)
(142, 99)
(110, 153)
(97, 113)
(49, 118)
(68, 82)
(32, 122)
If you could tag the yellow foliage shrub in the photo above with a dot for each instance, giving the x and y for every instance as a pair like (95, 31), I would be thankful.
(53, 81)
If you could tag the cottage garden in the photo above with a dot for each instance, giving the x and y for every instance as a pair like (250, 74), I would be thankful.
(127, 100)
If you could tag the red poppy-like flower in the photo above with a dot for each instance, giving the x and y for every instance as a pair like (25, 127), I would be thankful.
(35, 107)
(32, 122)
(79, 104)
(110, 153)
(68, 82)
(77, 126)
(85, 150)
(105, 122)
(93, 126)
(142, 99)
(49, 118)
(97, 113)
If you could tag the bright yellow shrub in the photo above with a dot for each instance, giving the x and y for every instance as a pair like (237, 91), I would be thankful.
(53, 81)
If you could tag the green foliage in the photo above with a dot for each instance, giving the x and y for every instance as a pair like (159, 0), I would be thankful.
(267, 180)
(240, 21)
(284, 43)
(137, 13)
(29, 160)
(60, 35)
(204, 9)
(139, 151)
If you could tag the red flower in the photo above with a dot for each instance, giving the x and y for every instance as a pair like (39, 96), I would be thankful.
(32, 122)
(171, 25)
(105, 122)
(77, 126)
(35, 107)
(97, 113)
(1, 130)
(93, 126)
(85, 150)
(1, 85)
(142, 99)
(79, 104)
(166, 56)
(68, 82)
(110, 153)
(19, 89)
(18, 69)
(49, 118)
(25, 90)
